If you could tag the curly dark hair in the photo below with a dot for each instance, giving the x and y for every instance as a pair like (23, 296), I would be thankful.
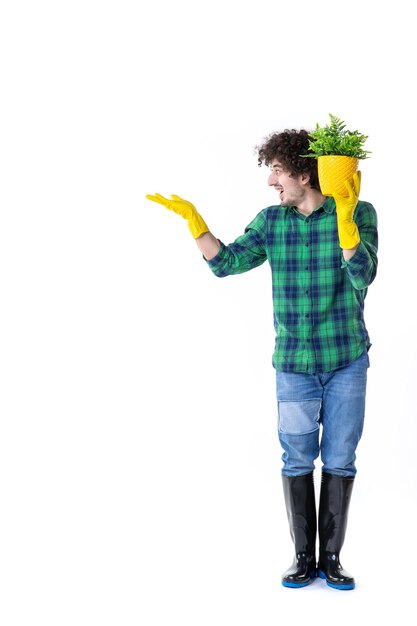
(287, 147)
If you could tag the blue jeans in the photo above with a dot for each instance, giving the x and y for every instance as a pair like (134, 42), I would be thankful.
(336, 401)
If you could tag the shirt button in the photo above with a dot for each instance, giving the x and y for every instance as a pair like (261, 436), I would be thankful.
(307, 244)
(307, 291)
(306, 268)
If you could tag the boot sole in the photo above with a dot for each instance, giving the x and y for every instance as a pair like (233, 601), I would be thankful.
(345, 587)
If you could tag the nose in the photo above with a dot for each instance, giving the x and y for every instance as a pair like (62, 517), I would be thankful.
(273, 179)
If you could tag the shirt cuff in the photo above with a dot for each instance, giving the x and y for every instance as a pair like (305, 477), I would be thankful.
(357, 261)
(216, 261)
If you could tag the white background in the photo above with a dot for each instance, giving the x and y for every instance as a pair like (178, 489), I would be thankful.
(140, 467)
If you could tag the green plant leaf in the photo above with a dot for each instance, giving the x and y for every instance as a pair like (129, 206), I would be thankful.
(335, 139)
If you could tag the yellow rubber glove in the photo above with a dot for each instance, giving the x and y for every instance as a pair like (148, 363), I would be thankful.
(196, 224)
(345, 208)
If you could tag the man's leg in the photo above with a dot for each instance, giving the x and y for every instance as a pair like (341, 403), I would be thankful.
(299, 403)
(342, 418)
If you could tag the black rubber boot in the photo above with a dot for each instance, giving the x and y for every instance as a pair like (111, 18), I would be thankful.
(335, 497)
(301, 512)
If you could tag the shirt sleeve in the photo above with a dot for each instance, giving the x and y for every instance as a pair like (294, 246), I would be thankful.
(245, 253)
(362, 267)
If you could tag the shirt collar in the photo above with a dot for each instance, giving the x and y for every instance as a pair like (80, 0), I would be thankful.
(328, 206)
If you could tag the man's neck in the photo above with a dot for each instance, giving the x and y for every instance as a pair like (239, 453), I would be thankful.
(311, 201)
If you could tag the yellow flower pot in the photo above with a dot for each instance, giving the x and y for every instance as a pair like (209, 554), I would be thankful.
(333, 171)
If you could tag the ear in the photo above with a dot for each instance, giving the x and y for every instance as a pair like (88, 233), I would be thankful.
(305, 178)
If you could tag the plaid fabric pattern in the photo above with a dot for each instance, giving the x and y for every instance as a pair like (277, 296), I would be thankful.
(318, 297)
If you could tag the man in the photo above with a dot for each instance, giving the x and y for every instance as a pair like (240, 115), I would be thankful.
(323, 256)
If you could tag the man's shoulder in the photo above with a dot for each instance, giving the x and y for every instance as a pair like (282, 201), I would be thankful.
(365, 207)
(267, 217)
(275, 212)
(365, 204)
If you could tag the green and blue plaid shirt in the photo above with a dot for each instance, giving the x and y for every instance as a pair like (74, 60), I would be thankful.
(318, 297)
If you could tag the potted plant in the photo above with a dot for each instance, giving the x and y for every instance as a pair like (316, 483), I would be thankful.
(338, 152)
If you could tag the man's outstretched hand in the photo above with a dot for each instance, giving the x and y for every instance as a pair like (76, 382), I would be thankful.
(184, 208)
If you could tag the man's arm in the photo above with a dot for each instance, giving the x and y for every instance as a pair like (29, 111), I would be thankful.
(247, 251)
(361, 267)
(358, 235)
(209, 245)
(348, 253)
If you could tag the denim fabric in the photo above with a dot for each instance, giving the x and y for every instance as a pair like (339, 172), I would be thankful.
(333, 400)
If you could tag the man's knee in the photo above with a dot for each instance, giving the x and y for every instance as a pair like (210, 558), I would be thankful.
(299, 418)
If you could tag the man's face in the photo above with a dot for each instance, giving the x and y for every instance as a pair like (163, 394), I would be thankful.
(290, 188)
